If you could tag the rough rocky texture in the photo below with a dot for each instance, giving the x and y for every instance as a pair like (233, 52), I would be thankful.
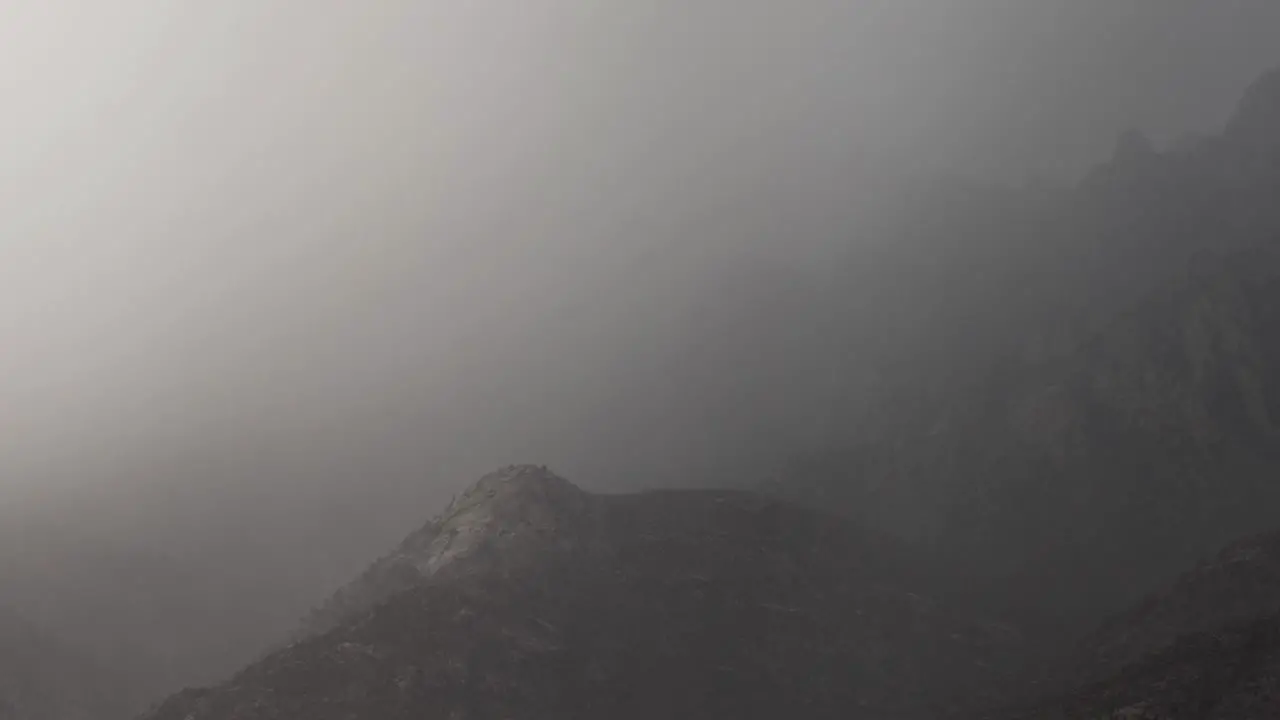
(532, 599)
(1237, 587)
(1205, 647)
(509, 519)
(1230, 674)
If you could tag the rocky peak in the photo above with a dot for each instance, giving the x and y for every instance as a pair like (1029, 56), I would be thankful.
(508, 518)
(1133, 146)
(517, 511)
(517, 498)
(1257, 119)
(530, 598)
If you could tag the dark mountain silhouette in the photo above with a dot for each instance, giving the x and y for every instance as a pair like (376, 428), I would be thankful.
(1061, 396)
(1256, 124)
(1094, 406)
(531, 598)
(1232, 673)
(1205, 646)
(1238, 586)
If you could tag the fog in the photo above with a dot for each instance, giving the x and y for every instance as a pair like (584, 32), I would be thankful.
(276, 279)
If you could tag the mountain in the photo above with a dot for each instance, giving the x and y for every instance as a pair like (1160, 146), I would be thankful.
(1232, 673)
(1205, 646)
(1256, 124)
(1099, 471)
(1233, 589)
(42, 678)
(530, 597)
(1066, 395)
(1150, 444)
(1080, 393)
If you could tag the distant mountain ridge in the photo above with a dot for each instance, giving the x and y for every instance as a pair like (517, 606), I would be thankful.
(1065, 390)
(530, 597)
(1103, 409)
(1075, 395)
(507, 519)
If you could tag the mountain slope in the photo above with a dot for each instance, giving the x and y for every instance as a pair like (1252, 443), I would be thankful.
(1096, 472)
(531, 595)
(1206, 646)
(1237, 587)
(1102, 407)
(1151, 444)
(1232, 673)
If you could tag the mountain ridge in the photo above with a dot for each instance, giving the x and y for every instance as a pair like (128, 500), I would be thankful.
(1122, 359)
(680, 603)
(1204, 646)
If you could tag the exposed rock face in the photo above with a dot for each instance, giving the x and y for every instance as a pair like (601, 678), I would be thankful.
(509, 519)
(532, 599)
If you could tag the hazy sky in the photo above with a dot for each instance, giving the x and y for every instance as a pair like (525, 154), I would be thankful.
(314, 244)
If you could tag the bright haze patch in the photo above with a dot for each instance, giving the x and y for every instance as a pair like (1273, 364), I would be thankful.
(256, 219)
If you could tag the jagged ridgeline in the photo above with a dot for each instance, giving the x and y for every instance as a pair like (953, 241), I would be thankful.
(1122, 422)
(531, 598)
(1087, 408)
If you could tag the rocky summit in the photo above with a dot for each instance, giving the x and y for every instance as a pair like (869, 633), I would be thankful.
(507, 520)
(531, 598)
